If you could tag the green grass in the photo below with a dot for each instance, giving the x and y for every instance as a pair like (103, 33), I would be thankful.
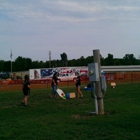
(58, 119)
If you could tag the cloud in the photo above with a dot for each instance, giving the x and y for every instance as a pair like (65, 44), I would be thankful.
(70, 11)
(65, 25)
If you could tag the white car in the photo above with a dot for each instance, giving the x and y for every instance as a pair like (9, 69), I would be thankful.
(66, 77)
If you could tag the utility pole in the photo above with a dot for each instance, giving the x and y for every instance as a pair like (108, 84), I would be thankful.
(96, 57)
(11, 60)
(49, 59)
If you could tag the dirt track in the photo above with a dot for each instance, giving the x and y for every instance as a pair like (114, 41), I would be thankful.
(18, 87)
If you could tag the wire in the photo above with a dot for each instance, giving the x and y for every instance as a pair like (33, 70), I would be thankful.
(92, 86)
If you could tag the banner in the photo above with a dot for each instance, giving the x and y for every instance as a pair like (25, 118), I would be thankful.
(65, 73)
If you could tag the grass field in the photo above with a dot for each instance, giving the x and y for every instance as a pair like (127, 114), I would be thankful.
(58, 119)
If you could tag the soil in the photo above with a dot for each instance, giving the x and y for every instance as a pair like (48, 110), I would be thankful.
(17, 87)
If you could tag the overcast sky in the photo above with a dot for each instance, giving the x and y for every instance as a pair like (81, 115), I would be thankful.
(32, 28)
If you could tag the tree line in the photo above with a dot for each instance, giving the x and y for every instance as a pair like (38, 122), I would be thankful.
(24, 64)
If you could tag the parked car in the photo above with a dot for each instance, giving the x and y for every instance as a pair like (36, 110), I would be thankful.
(66, 77)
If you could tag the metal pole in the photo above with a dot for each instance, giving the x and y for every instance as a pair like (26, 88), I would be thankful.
(50, 59)
(96, 57)
(11, 66)
(95, 98)
(11, 60)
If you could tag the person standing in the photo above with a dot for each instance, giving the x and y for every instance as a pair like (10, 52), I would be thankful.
(54, 85)
(78, 84)
(26, 89)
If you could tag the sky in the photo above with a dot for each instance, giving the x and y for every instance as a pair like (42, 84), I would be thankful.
(33, 28)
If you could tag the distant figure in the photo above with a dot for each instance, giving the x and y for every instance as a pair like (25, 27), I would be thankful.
(26, 89)
(36, 74)
(78, 84)
(54, 85)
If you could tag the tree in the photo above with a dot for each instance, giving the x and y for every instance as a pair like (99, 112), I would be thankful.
(109, 60)
(35, 65)
(81, 61)
(1, 65)
(64, 59)
(28, 63)
(7, 66)
(102, 60)
(129, 59)
(117, 62)
(22, 64)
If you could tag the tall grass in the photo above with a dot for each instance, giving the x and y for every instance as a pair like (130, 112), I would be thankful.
(58, 119)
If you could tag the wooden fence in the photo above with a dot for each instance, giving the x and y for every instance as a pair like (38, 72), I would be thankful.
(118, 77)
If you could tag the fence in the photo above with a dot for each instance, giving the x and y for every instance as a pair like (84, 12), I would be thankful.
(118, 74)
(118, 77)
(123, 77)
